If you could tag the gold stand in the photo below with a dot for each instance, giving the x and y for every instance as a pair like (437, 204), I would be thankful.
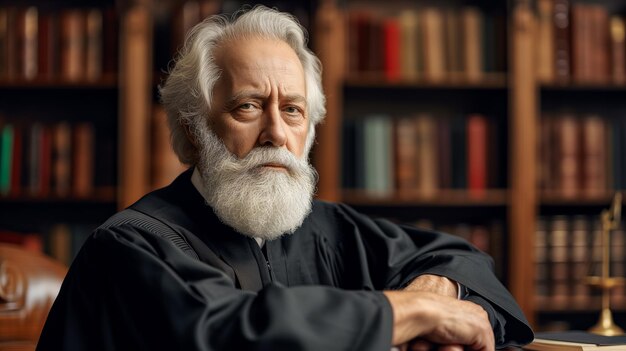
(610, 221)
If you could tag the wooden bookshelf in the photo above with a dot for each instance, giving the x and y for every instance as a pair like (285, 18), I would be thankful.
(514, 96)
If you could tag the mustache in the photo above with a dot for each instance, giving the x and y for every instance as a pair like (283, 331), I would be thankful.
(263, 155)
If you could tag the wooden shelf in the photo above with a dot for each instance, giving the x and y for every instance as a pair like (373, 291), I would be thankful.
(593, 306)
(579, 86)
(101, 195)
(371, 80)
(106, 82)
(552, 198)
(441, 198)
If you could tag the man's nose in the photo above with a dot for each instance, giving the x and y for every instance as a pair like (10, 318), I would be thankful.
(273, 131)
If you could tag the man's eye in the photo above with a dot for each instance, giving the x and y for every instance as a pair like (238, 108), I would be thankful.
(246, 106)
(292, 110)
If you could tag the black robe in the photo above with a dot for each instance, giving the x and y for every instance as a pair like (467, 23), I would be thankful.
(317, 289)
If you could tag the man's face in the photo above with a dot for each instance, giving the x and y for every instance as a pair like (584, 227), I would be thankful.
(260, 98)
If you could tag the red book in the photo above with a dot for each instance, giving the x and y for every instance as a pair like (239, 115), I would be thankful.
(562, 58)
(48, 59)
(45, 160)
(476, 154)
(391, 32)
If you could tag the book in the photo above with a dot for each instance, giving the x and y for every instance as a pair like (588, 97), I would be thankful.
(545, 41)
(594, 165)
(581, 45)
(9, 47)
(27, 22)
(444, 149)
(83, 159)
(15, 187)
(110, 42)
(48, 45)
(561, 21)
(378, 154)
(391, 49)
(433, 44)
(73, 45)
(576, 341)
(61, 159)
(476, 154)
(471, 25)
(45, 159)
(4, 42)
(409, 36)
(458, 143)
(93, 52)
(406, 154)
(427, 159)
(453, 43)
(618, 50)
(599, 39)
(6, 154)
(567, 151)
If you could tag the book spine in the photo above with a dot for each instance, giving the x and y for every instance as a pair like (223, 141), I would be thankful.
(545, 40)
(6, 153)
(62, 159)
(618, 50)
(477, 154)
(93, 62)
(28, 43)
(559, 262)
(568, 168)
(408, 24)
(406, 154)
(83, 159)
(472, 37)
(562, 68)
(427, 158)
(73, 45)
(391, 34)
(594, 165)
(434, 55)
(542, 280)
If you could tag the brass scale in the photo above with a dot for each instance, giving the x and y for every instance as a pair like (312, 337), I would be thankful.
(610, 221)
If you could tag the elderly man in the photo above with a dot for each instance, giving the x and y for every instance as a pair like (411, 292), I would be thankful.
(236, 255)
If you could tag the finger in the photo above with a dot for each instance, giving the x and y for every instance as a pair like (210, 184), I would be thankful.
(403, 347)
(451, 348)
(420, 345)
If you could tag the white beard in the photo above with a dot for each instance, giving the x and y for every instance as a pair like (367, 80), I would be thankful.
(255, 201)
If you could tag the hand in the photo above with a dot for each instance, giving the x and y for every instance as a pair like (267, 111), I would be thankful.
(442, 320)
(434, 284)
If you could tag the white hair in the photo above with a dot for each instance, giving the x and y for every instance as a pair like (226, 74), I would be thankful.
(187, 92)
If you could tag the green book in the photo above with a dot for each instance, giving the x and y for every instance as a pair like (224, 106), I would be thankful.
(6, 154)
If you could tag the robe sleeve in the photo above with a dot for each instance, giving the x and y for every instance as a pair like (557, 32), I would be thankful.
(129, 289)
(397, 254)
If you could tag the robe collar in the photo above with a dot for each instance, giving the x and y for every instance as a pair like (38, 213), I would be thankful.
(182, 205)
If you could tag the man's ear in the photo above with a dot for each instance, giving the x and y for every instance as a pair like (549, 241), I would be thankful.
(190, 136)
